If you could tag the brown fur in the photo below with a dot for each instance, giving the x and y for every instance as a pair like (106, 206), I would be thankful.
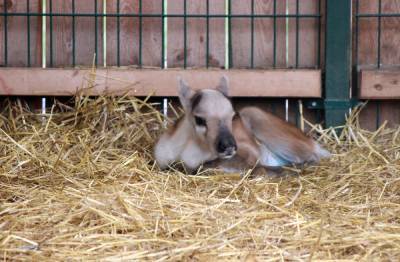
(262, 139)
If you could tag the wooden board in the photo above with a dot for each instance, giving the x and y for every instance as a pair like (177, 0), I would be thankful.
(263, 34)
(307, 34)
(390, 51)
(377, 112)
(129, 33)
(196, 38)
(251, 83)
(85, 33)
(62, 35)
(152, 34)
(368, 35)
(380, 84)
(17, 34)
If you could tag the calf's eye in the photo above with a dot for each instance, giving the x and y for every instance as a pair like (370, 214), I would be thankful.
(200, 121)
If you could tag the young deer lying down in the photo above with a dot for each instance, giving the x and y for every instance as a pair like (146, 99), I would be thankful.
(210, 132)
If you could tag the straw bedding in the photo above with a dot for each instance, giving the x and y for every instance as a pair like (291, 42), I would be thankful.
(80, 184)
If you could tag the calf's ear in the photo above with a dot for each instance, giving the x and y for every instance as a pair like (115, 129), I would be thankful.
(223, 86)
(185, 94)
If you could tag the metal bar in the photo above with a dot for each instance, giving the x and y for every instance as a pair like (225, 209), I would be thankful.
(104, 34)
(297, 33)
(357, 28)
(274, 51)
(338, 60)
(379, 33)
(319, 36)
(162, 34)
(96, 55)
(73, 35)
(51, 33)
(44, 29)
(118, 35)
(252, 36)
(164, 48)
(378, 15)
(174, 15)
(230, 57)
(208, 34)
(140, 33)
(184, 34)
(28, 32)
(5, 34)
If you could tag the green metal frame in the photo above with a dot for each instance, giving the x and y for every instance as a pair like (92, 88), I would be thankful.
(338, 61)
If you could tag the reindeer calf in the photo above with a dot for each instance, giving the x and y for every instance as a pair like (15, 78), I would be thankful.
(211, 132)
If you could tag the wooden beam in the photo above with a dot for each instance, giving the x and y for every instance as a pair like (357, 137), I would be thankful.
(243, 83)
(380, 84)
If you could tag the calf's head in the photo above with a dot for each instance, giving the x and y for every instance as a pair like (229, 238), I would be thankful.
(210, 113)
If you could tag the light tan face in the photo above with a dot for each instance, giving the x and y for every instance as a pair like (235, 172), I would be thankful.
(211, 113)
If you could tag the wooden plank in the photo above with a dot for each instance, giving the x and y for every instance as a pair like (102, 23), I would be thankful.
(62, 34)
(368, 36)
(248, 83)
(17, 37)
(175, 47)
(196, 39)
(240, 35)
(390, 51)
(263, 35)
(386, 110)
(307, 34)
(380, 84)
(85, 33)
(129, 33)
(152, 34)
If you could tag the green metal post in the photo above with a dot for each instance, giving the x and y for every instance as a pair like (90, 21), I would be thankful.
(338, 61)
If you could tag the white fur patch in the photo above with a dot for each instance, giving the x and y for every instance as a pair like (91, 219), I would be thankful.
(267, 158)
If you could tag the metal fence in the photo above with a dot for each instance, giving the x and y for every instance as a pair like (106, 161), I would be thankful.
(250, 14)
(340, 37)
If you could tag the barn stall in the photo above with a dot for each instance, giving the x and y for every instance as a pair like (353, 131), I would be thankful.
(87, 86)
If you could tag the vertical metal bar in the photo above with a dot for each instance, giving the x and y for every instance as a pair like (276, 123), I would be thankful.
(162, 33)
(297, 33)
(95, 33)
(357, 33)
(44, 49)
(140, 32)
(252, 36)
(338, 61)
(230, 58)
(73, 35)
(287, 110)
(5, 33)
(28, 31)
(51, 32)
(379, 32)
(208, 33)
(319, 36)
(226, 34)
(44, 29)
(274, 48)
(118, 34)
(104, 33)
(164, 48)
(184, 34)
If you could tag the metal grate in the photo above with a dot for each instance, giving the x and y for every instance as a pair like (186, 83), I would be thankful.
(374, 14)
(231, 20)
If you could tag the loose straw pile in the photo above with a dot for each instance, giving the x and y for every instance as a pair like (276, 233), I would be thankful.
(83, 186)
